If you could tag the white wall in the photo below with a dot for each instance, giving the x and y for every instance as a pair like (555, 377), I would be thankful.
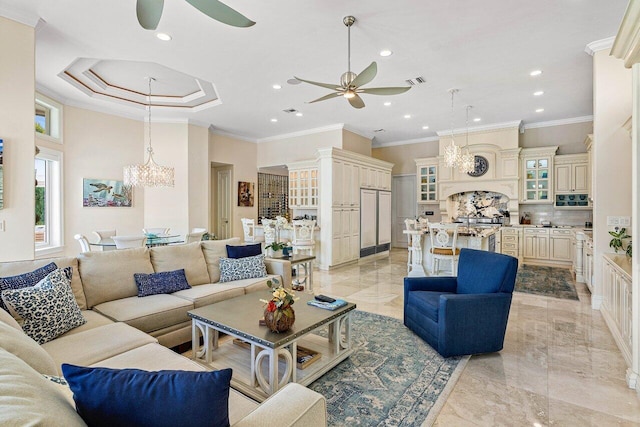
(199, 171)
(98, 146)
(17, 97)
(356, 143)
(569, 138)
(611, 153)
(295, 149)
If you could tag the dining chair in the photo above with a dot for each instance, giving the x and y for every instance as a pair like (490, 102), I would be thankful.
(125, 242)
(84, 243)
(104, 234)
(194, 236)
(443, 246)
(303, 230)
(410, 226)
(269, 226)
(249, 230)
(157, 230)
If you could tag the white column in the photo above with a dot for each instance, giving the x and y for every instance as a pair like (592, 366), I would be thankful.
(634, 370)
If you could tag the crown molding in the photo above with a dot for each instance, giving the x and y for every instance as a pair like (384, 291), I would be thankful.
(213, 130)
(338, 126)
(405, 142)
(627, 42)
(22, 17)
(597, 45)
(482, 128)
(560, 122)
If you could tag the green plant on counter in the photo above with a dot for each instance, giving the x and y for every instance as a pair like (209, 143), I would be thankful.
(276, 246)
(618, 235)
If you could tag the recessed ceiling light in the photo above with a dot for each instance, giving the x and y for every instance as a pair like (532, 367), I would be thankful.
(539, 110)
(477, 119)
(299, 114)
(535, 73)
(385, 52)
(276, 87)
(538, 93)
(163, 36)
(407, 116)
(386, 104)
(274, 120)
(425, 127)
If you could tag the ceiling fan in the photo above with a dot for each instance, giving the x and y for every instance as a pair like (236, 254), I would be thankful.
(150, 11)
(351, 83)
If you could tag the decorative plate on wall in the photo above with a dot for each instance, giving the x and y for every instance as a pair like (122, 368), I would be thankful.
(481, 166)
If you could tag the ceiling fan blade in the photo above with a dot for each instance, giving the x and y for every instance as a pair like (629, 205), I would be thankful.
(384, 90)
(356, 102)
(324, 98)
(326, 85)
(366, 75)
(221, 12)
(149, 13)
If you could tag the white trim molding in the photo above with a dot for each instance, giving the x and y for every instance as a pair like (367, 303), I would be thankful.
(213, 130)
(20, 16)
(483, 128)
(627, 43)
(338, 126)
(597, 45)
(405, 142)
(560, 122)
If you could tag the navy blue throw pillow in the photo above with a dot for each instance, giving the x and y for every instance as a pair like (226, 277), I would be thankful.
(244, 251)
(137, 398)
(165, 282)
(25, 280)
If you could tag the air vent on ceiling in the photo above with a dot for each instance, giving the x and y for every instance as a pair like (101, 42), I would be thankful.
(290, 110)
(379, 130)
(416, 81)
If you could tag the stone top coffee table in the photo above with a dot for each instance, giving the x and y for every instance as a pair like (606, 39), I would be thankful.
(239, 318)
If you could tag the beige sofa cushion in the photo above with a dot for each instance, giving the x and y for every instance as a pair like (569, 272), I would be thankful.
(176, 257)
(5, 317)
(89, 347)
(108, 275)
(213, 250)
(28, 399)
(147, 313)
(94, 320)
(18, 343)
(20, 267)
(213, 292)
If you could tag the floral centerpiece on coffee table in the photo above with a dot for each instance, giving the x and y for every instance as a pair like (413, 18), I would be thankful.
(278, 313)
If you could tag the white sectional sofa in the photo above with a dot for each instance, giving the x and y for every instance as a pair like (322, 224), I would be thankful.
(125, 331)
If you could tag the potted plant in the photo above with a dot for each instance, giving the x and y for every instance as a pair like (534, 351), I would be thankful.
(276, 248)
(278, 313)
(618, 235)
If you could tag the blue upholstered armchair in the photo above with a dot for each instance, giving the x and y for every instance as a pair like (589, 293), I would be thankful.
(466, 314)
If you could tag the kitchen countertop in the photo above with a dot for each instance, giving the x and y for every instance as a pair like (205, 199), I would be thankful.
(464, 231)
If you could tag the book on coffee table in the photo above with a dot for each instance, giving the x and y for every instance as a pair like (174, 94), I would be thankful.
(328, 305)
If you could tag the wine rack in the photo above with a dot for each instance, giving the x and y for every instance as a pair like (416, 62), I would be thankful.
(273, 196)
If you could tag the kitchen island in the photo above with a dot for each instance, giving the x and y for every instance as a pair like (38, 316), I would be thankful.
(481, 238)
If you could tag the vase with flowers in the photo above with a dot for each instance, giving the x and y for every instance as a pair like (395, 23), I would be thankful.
(278, 313)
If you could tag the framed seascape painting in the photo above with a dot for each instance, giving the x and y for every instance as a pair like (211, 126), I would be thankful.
(106, 193)
(245, 193)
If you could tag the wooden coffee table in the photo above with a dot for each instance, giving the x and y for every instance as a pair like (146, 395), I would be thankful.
(270, 361)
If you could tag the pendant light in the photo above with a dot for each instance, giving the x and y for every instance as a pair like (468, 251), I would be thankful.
(452, 152)
(149, 174)
(467, 160)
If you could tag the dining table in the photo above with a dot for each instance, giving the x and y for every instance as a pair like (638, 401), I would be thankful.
(157, 240)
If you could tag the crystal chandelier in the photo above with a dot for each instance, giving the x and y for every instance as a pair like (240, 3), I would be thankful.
(467, 160)
(452, 152)
(149, 174)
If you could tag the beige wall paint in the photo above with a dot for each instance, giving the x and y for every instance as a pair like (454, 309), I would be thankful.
(98, 145)
(295, 149)
(199, 169)
(356, 143)
(403, 156)
(163, 206)
(569, 138)
(244, 157)
(611, 152)
(17, 95)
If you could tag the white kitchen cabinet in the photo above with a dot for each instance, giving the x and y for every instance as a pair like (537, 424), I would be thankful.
(560, 245)
(345, 180)
(572, 173)
(510, 241)
(346, 235)
(536, 243)
(616, 301)
(303, 185)
(427, 174)
(537, 174)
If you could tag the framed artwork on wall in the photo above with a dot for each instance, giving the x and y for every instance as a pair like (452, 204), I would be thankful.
(106, 193)
(245, 193)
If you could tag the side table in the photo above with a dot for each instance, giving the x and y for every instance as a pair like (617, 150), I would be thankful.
(301, 262)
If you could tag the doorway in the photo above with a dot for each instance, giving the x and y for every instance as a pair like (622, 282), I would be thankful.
(403, 206)
(221, 200)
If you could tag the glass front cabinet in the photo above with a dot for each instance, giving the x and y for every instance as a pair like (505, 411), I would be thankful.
(537, 175)
(427, 174)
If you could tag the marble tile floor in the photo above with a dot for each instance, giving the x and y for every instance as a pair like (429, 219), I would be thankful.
(559, 366)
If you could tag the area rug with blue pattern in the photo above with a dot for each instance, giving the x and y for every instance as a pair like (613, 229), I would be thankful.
(547, 281)
(393, 378)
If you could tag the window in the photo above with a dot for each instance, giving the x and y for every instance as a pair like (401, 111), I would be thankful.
(48, 194)
(48, 118)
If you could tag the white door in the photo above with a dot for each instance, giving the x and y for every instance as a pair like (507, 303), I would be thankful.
(403, 206)
(384, 217)
(224, 203)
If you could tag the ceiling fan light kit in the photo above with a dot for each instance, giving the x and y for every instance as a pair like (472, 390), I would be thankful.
(351, 83)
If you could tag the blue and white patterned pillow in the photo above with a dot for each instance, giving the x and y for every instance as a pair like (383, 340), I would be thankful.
(49, 309)
(242, 268)
(25, 280)
(165, 282)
